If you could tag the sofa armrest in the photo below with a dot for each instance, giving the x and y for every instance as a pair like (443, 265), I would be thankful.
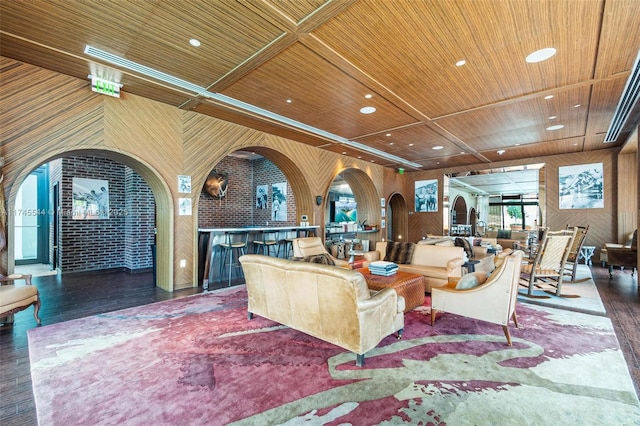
(381, 298)
(454, 264)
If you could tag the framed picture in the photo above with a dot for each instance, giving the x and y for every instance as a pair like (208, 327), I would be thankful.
(279, 202)
(383, 212)
(581, 186)
(184, 184)
(382, 202)
(262, 196)
(184, 206)
(383, 224)
(426, 195)
(90, 199)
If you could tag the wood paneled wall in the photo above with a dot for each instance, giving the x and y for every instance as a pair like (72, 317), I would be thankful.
(159, 142)
(603, 222)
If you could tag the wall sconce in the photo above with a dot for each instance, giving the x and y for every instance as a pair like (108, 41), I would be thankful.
(318, 199)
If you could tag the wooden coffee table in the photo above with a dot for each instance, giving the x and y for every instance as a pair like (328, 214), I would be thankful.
(410, 286)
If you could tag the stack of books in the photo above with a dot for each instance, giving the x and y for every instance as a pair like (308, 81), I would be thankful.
(383, 268)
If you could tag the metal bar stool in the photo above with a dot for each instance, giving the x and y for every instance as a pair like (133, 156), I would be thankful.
(269, 241)
(234, 245)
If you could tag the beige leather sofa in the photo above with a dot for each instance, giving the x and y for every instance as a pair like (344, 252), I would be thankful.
(507, 239)
(437, 263)
(331, 303)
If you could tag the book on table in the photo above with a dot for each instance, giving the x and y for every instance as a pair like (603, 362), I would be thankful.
(382, 267)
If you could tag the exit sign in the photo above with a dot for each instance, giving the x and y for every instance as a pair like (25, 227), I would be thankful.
(105, 87)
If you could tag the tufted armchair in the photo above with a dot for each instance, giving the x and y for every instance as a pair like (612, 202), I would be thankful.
(15, 298)
(624, 256)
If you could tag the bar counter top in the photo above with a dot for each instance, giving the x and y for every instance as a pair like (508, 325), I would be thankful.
(258, 228)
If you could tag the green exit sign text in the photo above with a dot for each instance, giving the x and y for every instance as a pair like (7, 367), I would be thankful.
(105, 87)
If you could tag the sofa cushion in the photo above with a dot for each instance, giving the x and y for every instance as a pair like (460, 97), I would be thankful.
(398, 252)
(323, 259)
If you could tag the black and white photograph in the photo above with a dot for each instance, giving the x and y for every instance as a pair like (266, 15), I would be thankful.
(184, 184)
(262, 196)
(90, 199)
(279, 202)
(581, 186)
(184, 207)
(426, 194)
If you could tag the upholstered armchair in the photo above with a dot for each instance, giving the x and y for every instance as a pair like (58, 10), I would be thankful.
(312, 246)
(491, 299)
(15, 298)
(623, 256)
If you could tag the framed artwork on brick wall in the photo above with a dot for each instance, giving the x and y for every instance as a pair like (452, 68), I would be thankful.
(90, 199)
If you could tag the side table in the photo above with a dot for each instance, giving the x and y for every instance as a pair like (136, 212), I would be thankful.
(586, 252)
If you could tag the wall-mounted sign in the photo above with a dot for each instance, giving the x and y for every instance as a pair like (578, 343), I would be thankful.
(105, 87)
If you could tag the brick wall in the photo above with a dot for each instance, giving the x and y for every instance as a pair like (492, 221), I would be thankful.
(238, 207)
(139, 222)
(119, 242)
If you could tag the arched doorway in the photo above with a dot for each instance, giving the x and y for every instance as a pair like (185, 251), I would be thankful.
(397, 218)
(160, 197)
(459, 219)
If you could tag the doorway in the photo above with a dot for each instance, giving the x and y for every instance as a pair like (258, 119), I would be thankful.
(31, 226)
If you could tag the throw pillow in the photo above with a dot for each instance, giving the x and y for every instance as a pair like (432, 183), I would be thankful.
(392, 251)
(462, 242)
(466, 282)
(323, 259)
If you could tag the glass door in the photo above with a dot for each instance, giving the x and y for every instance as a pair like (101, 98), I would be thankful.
(31, 230)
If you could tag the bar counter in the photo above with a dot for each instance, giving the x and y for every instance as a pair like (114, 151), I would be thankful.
(209, 240)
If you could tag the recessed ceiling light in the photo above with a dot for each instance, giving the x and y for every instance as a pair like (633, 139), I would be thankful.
(500, 151)
(541, 55)
(367, 110)
(460, 63)
(437, 162)
(194, 42)
(388, 134)
(576, 106)
(289, 101)
(359, 156)
(556, 127)
(390, 143)
(549, 97)
(373, 161)
(461, 152)
(368, 96)
(410, 144)
(437, 147)
(553, 117)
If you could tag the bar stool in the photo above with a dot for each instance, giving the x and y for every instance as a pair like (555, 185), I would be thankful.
(235, 243)
(287, 243)
(268, 242)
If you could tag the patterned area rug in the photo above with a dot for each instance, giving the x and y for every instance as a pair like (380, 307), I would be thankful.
(199, 360)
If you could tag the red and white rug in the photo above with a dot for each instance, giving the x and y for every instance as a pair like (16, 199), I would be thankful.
(199, 360)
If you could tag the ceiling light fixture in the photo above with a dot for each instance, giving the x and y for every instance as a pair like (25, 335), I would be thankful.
(368, 96)
(289, 101)
(556, 127)
(201, 91)
(549, 97)
(194, 42)
(368, 110)
(460, 63)
(553, 117)
(577, 106)
(541, 55)
(437, 147)
(501, 151)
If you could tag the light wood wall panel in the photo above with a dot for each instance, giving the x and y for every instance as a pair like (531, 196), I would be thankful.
(602, 221)
(157, 141)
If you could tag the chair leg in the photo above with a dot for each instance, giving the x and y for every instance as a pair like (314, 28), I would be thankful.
(506, 334)
(514, 317)
(359, 360)
(36, 310)
(433, 316)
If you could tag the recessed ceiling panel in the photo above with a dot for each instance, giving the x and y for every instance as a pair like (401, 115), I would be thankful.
(413, 46)
(320, 95)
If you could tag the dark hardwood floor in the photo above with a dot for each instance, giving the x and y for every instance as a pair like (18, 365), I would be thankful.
(70, 296)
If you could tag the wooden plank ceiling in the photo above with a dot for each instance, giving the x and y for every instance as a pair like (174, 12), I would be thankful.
(317, 63)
